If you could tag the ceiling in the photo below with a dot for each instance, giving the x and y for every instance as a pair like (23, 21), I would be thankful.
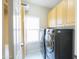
(45, 3)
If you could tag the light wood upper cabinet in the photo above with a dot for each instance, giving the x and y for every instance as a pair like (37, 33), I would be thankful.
(63, 14)
(52, 18)
(71, 12)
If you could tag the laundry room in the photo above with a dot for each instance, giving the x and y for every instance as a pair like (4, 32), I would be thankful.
(40, 29)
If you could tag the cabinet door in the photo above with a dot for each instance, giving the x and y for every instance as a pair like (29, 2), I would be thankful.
(61, 13)
(71, 12)
(52, 18)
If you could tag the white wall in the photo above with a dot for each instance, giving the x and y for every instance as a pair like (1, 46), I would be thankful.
(39, 11)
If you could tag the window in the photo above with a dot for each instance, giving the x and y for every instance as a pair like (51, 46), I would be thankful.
(31, 22)
(31, 28)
